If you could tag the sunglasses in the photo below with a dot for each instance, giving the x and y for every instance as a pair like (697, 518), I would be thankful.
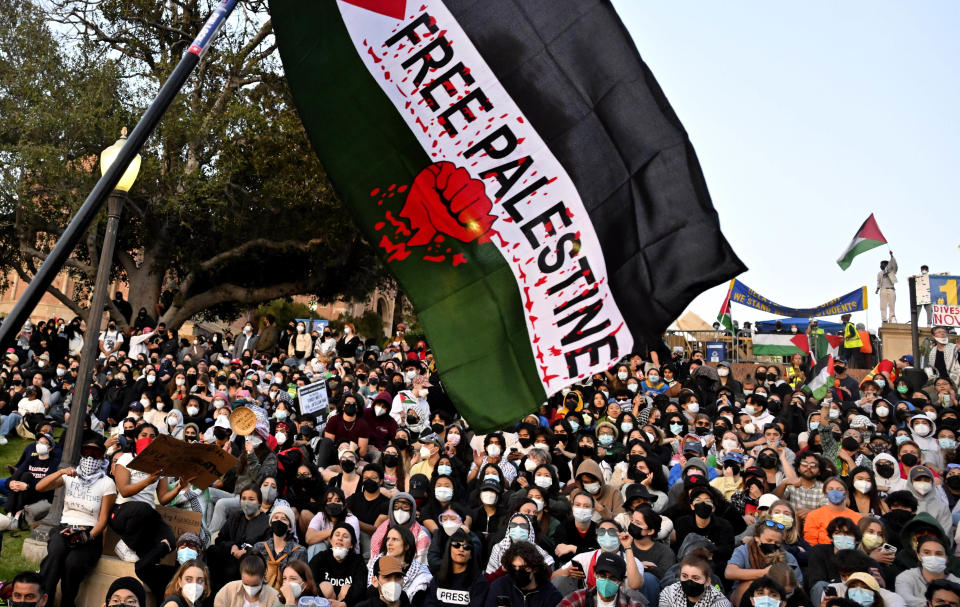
(610, 532)
(774, 525)
(92, 452)
(460, 545)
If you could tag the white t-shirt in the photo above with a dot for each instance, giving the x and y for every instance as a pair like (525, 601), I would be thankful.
(146, 495)
(30, 406)
(81, 502)
(110, 340)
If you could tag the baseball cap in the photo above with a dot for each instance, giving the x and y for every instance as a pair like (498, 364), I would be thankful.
(419, 485)
(388, 565)
(487, 485)
(907, 358)
(611, 563)
(866, 578)
(766, 500)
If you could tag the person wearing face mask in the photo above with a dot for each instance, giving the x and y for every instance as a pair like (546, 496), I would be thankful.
(702, 519)
(402, 512)
(607, 586)
(427, 456)
(299, 347)
(249, 590)
(281, 547)
(75, 545)
(189, 586)
(381, 426)
(387, 578)
(235, 542)
(912, 584)
(459, 579)
(922, 431)
(348, 343)
(609, 447)
(347, 426)
(652, 384)
(943, 356)
(340, 572)
(368, 504)
(22, 484)
(493, 453)
(590, 478)
(816, 524)
(586, 566)
(694, 587)
(929, 498)
(520, 528)
(527, 582)
(751, 560)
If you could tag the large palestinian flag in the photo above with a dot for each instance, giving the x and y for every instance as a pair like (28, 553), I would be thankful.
(867, 237)
(521, 172)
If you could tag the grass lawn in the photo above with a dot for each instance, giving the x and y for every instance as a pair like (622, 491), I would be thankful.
(11, 563)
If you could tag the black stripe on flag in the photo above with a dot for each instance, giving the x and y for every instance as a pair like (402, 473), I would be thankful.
(575, 73)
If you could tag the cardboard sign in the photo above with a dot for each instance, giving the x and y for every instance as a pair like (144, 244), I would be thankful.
(180, 521)
(172, 457)
(946, 315)
(314, 401)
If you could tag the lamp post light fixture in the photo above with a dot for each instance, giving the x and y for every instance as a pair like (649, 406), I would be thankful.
(81, 401)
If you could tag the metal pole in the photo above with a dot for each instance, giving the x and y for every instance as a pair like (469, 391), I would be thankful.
(914, 319)
(88, 356)
(91, 206)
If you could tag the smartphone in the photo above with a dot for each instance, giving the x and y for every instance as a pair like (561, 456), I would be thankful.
(830, 591)
(889, 548)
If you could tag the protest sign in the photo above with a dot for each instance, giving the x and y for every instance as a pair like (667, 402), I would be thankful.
(171, 457)
(946, 315)
(313, 400)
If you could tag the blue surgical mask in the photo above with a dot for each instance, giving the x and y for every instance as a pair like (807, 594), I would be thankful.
(881, 383)
(491, 477)
(862, 596)
(836, 496)
(444, 470)
(608, 542)
(606, 440)
(186, 554)
(518, 534)
(947, 443)
(574, 426)
(676, 429)
(902, 439)
(765, 601)
(843, 542)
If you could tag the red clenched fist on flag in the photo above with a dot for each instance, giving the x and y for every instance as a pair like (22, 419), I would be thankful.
(447, 200)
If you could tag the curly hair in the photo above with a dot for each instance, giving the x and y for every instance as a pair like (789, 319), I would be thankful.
(531, 556)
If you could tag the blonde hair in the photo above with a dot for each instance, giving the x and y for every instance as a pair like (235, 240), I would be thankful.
(792, 535)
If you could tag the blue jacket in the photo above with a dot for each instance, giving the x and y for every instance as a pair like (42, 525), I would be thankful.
(545, 596)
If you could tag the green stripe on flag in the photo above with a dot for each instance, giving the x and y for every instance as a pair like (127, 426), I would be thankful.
(472, 313)
(765, 344)
(858, 247)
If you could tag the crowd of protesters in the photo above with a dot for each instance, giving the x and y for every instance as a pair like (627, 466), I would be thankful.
(665, 481)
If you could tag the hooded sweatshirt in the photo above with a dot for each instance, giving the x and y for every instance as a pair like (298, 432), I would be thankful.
(421, 535)
(907, 555)
(609, 498)
(929, 446)
(496, 553)
(932, 504)
(888, 485)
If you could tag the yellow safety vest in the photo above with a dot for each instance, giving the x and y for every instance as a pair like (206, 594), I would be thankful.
(851, 338)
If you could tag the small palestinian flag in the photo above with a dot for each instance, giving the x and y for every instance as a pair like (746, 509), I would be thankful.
(724, 317)
(821, 379)
(826, 345)
(522, 174)
(774, 344)
(867, 237)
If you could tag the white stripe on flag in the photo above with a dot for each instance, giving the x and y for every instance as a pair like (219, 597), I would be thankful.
(551, 219)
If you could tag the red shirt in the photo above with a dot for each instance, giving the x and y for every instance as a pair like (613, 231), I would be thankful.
(346, 431)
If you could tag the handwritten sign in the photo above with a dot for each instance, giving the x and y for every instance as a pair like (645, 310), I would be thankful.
(180, 521)
(946, 315)
(314, 400)
(203, 463)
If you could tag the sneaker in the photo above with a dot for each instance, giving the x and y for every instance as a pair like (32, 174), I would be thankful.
(6, 522)
(3, 441)
(124, 552)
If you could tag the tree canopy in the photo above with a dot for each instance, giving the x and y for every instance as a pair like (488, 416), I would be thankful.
(231, 207)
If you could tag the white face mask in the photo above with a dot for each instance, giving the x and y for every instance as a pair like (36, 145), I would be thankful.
(193, 411)
(749, 428)
(882, 411)
(450, 527)
(423, 393)
(42, 449)
(145, 402)
(921, 429)
(172, 421)
(493, 450)
(942, 340)
(582, 515)
(192, 591)
(862, 486)
(530, 465)
(544, 482)
(592, 488)
(693, 408)
(539, 504)
(281, 438)
(181, 381)
(723, 371)
(424, 452)
(622, 376)
(390, 590)
(834, 413)
(488, 497)
(252, 590)
(401, 516)
(151, 379)
(340, 553)
(633, 387)
(923, 487)
(378, 410)
(729, 444)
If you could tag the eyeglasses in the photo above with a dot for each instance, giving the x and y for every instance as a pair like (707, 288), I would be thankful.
(460, 545)
(517, 526)
(774, 525)
(610, 532)
(130, 602)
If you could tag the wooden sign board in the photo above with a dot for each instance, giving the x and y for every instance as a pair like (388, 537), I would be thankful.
(172, 457)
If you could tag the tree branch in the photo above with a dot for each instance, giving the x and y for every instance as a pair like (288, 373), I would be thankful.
(176, 316)
(60, 295)
(70, 262)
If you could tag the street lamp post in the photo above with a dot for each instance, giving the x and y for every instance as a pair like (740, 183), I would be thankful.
(89, 354)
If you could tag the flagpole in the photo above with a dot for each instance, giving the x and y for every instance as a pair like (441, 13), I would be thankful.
(91, 206)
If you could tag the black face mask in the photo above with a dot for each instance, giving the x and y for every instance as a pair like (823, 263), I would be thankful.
(701, 431)
(350, 409)
(761, 376)
(412, 420)
(525, 442)
(221, 433)
(437, 428)
(774, 406)
(279, 528)
(23, 603)
(692, 588)
(769, 548)
(839, 370)
(850, 444)
(767, 462)
(885, 470)
(897, 518)
(636, 532)
(371, 486)
(520, 577)
(334, 509)
(585, 451)
(397, 386)
(909, 459)
(348, 466)
(389, 460)
(703, 509)
(401, 443)
(953, 482)
(131, 434)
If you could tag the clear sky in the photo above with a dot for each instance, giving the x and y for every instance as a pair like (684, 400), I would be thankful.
(807, 117)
